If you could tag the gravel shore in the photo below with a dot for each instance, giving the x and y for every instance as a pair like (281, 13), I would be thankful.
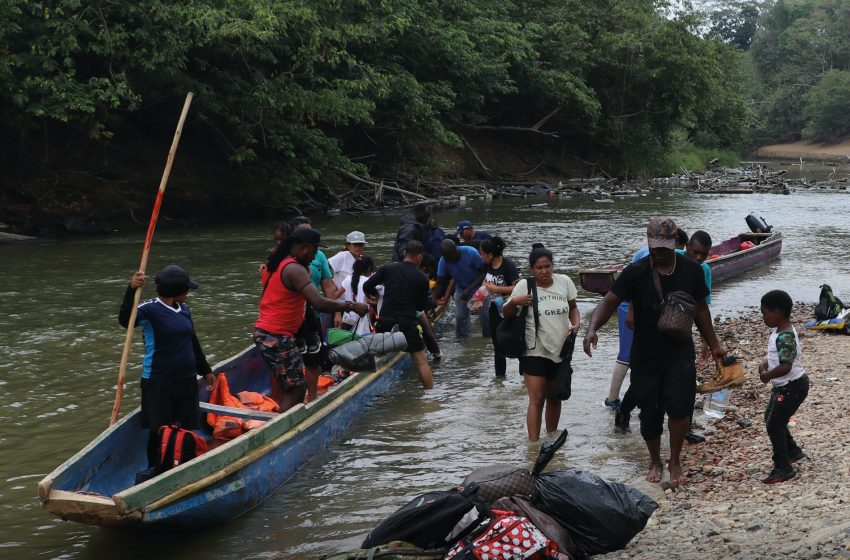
(723, 510)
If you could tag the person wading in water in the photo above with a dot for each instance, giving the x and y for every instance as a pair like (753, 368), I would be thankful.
(663, 378)
(499, 279)
(545, 337)
(405, 296)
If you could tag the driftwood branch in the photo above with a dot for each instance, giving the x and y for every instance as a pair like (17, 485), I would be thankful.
(509, 129)
(542, 121)
(475, 154)
(532, 170)
(382, 186)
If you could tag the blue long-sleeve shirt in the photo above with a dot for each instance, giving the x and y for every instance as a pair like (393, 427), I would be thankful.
(172, 349)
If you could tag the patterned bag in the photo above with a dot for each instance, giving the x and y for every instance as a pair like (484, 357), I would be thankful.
(553, 530)
(678, 310)
(498, 481)
(508, 537)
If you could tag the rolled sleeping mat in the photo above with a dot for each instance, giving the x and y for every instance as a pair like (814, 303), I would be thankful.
(379, 343)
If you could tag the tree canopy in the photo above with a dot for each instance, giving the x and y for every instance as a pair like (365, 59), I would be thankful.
(301, 88)
(801, 54)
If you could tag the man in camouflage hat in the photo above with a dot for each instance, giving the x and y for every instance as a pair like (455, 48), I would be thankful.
(663, 368)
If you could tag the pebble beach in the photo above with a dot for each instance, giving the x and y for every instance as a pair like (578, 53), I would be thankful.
(724, 510)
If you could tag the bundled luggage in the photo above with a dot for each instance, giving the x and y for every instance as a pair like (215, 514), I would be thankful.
(356, 355)
(511, 513)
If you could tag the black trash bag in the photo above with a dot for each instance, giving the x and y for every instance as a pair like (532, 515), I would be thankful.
(600, 516)
(429, 519)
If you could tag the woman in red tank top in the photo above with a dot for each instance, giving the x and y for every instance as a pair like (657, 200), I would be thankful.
(281, 309)
(287, 287)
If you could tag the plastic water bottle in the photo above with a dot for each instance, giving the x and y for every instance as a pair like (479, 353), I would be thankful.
(714, 405)
(500, 303)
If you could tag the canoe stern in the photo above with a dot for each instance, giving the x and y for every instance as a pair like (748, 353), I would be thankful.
(88, 509)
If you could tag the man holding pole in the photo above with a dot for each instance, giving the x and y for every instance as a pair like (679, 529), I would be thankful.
(173, 354)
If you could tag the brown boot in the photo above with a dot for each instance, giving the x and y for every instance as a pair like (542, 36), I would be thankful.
(731, 375)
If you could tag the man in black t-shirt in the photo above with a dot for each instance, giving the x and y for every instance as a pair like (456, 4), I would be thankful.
(406, 294)
(663, 368)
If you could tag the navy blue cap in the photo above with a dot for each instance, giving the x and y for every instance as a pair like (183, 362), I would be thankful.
(173, 275)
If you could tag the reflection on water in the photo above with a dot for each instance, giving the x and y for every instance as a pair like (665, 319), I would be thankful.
(60, 345)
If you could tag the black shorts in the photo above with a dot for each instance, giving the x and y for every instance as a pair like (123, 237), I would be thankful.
(538, 367)
(672, 395)
(316, 359)
(170, 401)
(409, 329)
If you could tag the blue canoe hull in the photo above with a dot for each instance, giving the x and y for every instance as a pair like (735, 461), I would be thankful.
(250, 486)
(97, 485)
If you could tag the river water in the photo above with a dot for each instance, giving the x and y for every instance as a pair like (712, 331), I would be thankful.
(60, 345)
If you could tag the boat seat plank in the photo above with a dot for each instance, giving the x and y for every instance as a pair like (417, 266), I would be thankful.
(238, 412)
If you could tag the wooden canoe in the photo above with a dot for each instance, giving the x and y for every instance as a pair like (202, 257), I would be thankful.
(96, 486)
(731, 261)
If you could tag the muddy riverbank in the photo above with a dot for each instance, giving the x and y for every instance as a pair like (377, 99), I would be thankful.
(724, 511)
(838, 152)
(116, 212)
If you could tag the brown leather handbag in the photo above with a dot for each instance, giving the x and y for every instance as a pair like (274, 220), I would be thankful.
(678, 310)
(498, 481)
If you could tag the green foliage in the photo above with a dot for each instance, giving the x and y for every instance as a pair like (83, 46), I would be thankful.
(827, 106)
(297, 88)
(798, 44)
(695, 159)
(736, 23)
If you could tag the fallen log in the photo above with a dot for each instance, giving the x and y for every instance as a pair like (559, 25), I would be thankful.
(380, 185)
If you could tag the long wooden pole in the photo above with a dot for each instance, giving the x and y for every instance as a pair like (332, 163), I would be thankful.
(128, 338)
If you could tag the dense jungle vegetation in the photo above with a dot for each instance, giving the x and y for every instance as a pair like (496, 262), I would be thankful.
(289, 93)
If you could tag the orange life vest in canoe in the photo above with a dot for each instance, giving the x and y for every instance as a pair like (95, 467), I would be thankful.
(229, 427)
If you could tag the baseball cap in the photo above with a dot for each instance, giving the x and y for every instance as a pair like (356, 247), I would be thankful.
(661, 232)
(356, 237)
(174, 276)
(463, 224)
(307, 235)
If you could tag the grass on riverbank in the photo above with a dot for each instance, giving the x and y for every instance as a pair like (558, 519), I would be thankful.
(694, 158)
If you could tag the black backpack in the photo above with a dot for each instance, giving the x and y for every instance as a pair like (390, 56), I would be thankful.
(829, 306)
(510, 334)
(427, 521)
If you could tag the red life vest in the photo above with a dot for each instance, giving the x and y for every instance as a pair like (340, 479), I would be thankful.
(281, 309)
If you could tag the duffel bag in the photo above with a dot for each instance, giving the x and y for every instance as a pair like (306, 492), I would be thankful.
(498, 481)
